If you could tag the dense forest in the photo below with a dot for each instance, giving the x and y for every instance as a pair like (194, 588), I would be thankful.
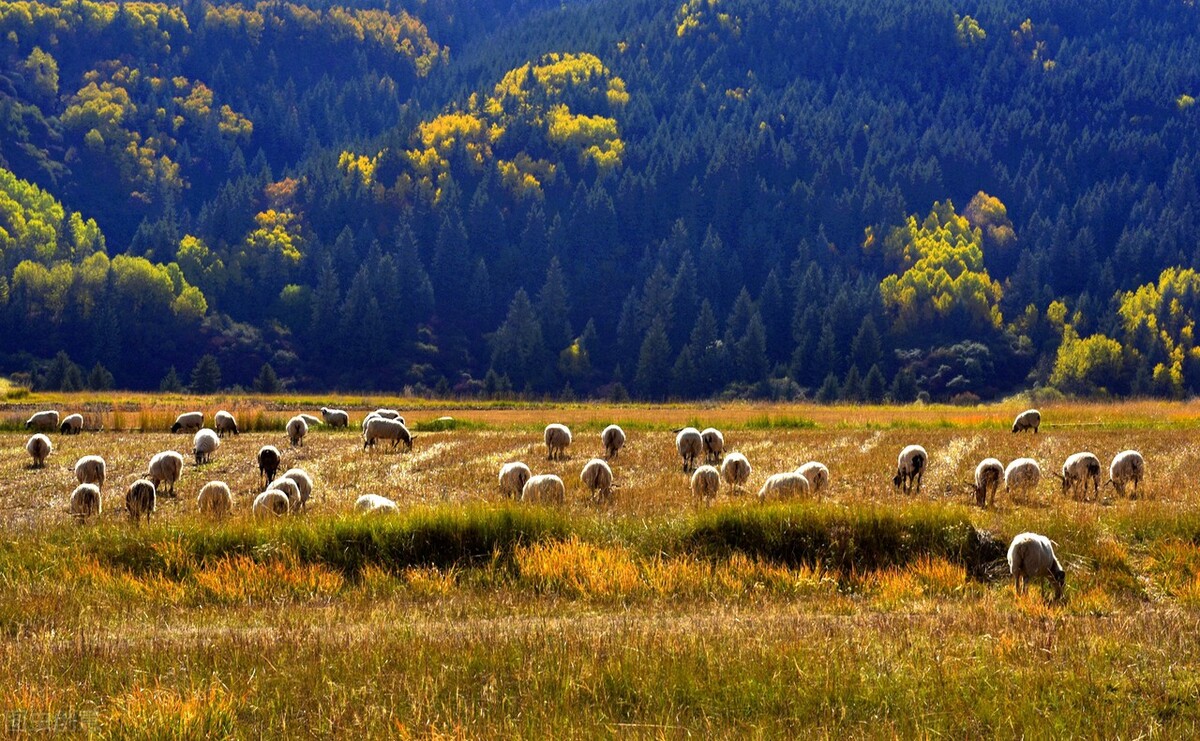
(856, 199)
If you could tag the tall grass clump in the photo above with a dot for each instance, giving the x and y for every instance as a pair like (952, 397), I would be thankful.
(779, 422)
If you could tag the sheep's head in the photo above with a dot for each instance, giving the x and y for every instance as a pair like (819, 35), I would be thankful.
(409, 443)
(897, 479)
(1058, 577)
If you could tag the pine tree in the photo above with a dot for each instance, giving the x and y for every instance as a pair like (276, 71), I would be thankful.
(654, 363)
(518, 349)
(266, 382)
(829, 391)
(206, 376)
(775, 319)
(170, 382)
(852, 385)
(683, 374)
(867, 348)
(753, 364)
(904, 386)
(709, 352)
(554, 308)
(874, 387)
(99, 379)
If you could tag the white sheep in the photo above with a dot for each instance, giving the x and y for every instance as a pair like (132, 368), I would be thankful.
(335, 417)
(290, 488)
(1077, 471)
(303, 481)
(268, 462)
(381, 428)
(47, 420)
(204, 444)
(140, 500)
(225, 423)
(1030, 419)
(367, 420)
(215, 499)
(1023, 475)
(373, 504)
(789, 484)
(544, 487)
(86, 502)
(389, 414)
(1127, 466)
(310, 420)
(271, 503)
(817, 475)
(988, 475)
(706, 482)
(598, 478)
(613, 438)
(558, 439)
(1031, 556)
(90, 469)
(72, 424)
(513, 477)
(736, 470)
(188, 422)
(38, 446)
(297, 428)
(165, 467)
(910, 467)
(714, 444)
(690, 445)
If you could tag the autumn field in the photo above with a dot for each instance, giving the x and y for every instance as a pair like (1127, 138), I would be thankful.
(862, 612)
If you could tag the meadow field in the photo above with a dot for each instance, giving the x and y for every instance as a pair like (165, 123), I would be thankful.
(861, 612)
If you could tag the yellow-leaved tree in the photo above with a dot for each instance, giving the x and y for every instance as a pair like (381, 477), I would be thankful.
(1158, 321)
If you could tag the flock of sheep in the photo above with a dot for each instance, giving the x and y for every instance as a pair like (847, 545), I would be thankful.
(1030, 556)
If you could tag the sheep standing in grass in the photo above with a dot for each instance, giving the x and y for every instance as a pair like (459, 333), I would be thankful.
(90, 470)
(598, 478)
(1022, 475)
(1031, 556)
(388, 414)
(268, 462)
(736, 470)
(1077, 471)
(72, 424)
(204, 444)
(706, 482)
(85, 502)
(224, 423)
(544, 487)
(335, 417)
(513, 477)
(165, 467)
(690, 445)
(1030, 419)
(714, 445)
(290, 488)
(785, 485)
(310, 420)
(613, 438)
(558, 439)
(215, 499)
(271, 503)
(988, 475)
(47, 420)
(817, 475)
(39, 447)
(304, 483)
(373, 504)
(910, 468)
(297, 428)
(1127, 467)
(381, 428)
(140, 500)
(188, 422)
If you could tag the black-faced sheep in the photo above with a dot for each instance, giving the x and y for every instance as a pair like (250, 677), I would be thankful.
(268, 462)
(47, 420)
(224, 423)
(910, 468)
(1030, 419)
(188, 422)
(72, 424)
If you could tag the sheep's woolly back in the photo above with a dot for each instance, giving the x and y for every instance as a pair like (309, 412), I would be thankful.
(271, 503)
(224, 422)
(140, 499)
(784, 485)
(706, 482)
(544, 487)
(297, 428)
(72, 424)
(1022, 473)
(206, 441)
(1030, 419)
(513, 477)
(90, 469)
(736, 469)
(335, 417)
(215, 499)
(374, 504)
(613, 439)
(39, 447)
(86, 501)
(47, 420)
(165, 467)
(816, 474)
(188, 421)
(303, 481)
(596, 475)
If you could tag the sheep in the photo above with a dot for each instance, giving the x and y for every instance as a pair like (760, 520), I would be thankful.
(558, 438)
(297, 428)
(38, 447)
(817, 475)
(215, 499)
(303, 481)
(785, 485)
(736, 470)
(381, 428)
(689, 444)
(367, 419)
(224, 423)
(335, 417)
(167, 467)
(513, 477)
(598, 478)
(204, 444)
(90, 470)
(544, 487)
(373, 504)
(268, 462)
(988, 475)
(72, 424)
(388, 414)
(47, 420)
(1023, 475)
(1030, 419)
(910, 467)
(290, 488)
(1126, 466)
(613, 438)
(85, 502)
(706, 482)
(714, 444)
(1031, 556)
(188, 422)
(310, 420)
(140, 500)
(271, 502)
(1077, 470)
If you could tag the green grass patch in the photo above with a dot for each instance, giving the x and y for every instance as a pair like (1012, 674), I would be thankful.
(779, 422)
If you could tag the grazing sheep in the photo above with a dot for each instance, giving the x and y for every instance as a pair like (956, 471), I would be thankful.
(714, 444)
(268, 462)
(85, 502)
(215, 499)
(817, 475)
(271, 503)
(1031, 556)
(224, 423)
(140, 500)
(598, 478)
(689, 444)
(613, 438)
(373, 504)
(910, 467)
(1077, 471)
(297, 428)
(290, 488)
(303, 481)
(335, 417)
(1127, 466)
(39, 448)
(310, 420)
(786, 485)
(90, 470)
(204, 444)
(72, 424)
(706, 482)
(513, 477)
(1022, 475)
(988, 475)
(558, 438)
(388, 414)
(367, 419)
(544, 487)
(1030, 419)
(736, 470)
(47, 420)
(381, 428)
(167, 467)
(188, 422)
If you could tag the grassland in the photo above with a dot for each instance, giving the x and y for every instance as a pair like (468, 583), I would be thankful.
(469, 615)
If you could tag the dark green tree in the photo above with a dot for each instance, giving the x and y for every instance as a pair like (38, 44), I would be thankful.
(266, 382)
(654, 363)
(206, 376)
